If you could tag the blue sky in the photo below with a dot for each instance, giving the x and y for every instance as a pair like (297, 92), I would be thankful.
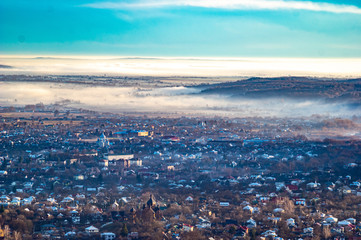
(202, 28)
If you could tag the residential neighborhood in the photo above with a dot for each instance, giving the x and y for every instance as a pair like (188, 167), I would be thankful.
(78, 174)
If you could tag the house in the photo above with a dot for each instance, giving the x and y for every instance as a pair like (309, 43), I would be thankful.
(355, 184)
(4, 200)
(224, 204)
(313, 185)
(330, 219)
(255, 184)
(133, 235)
(203, 223)
(278, 210)
(308, 231)
(103, 163)
(51, 201)
(68, 199)
(338, 230)
(291, 222)
(351, 165)
(135, 162)
(345, 190)
(80, 196)
(75, 217)
(351, 220)
(187, 228)
(15, 201)
(28, 185)
(343, 223)
(264, 199)
(251, 223)
(189, 199)
(269, 233)
(108, 236)
(91, 189)
(27, 201)
(300, 201)
(274, 220)
(91, 229)
(248, 208)
(70, 234)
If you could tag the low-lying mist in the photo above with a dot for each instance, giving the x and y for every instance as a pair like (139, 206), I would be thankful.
(182, 100)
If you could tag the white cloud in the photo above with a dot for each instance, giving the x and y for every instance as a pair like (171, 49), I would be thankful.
(232, 4)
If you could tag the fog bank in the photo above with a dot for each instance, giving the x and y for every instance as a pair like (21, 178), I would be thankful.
(168, 100)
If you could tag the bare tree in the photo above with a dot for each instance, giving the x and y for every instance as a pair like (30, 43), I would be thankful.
(326, 233)
(6, 232)
(17, 236)
(289, 206)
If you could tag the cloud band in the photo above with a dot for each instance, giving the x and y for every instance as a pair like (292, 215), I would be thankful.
(232, 5)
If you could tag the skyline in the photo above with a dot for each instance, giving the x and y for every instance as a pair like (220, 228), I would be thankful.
(186, 28)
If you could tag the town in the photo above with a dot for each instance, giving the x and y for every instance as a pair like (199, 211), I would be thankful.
(79, 174)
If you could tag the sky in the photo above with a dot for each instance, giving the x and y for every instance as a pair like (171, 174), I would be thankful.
(202, 28)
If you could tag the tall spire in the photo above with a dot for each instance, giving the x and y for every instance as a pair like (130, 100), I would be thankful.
(151, 201)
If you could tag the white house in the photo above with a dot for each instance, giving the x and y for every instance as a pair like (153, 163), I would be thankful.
(248, 208)
(27, 201)
(224, 204)
(351, 220)
(107, 236)
(51, 200)
(331, 219)
(313, 185)
(91, 229)
(251, 223)
(16, 201)
(68, 199)
(278, 210)
(70, 234)
(4, 199)
(344, 223)
(80, 196)
(291, 222)
(269, 233)
(189, 199)
(308, 230)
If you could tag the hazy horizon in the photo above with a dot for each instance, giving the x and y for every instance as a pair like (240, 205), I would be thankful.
(181, 66)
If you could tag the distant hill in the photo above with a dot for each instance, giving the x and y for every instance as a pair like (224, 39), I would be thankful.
(5, 66)
(292, 87)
